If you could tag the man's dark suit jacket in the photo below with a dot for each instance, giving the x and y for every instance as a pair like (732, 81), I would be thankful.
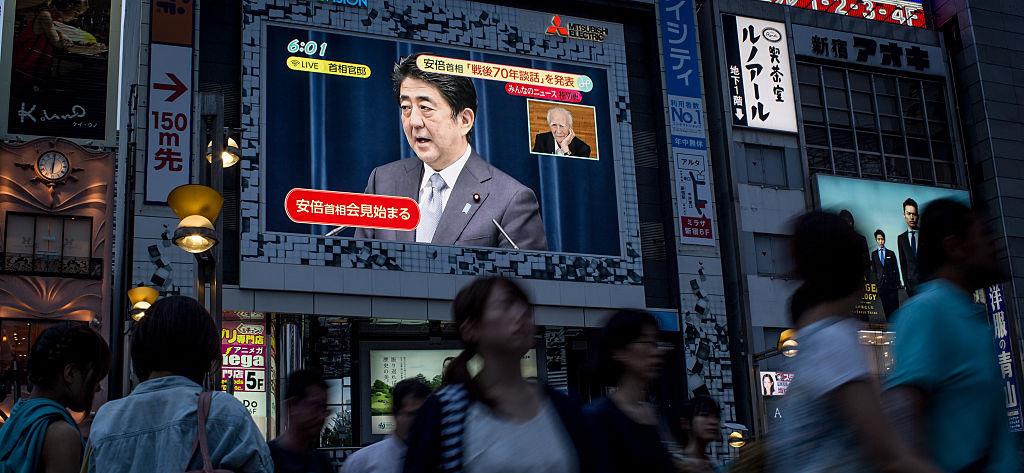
(908, 260)
(887, 276)
(501, 198)
(545, 143)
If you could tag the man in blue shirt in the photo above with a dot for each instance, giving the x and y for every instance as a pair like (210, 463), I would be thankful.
(945, 393)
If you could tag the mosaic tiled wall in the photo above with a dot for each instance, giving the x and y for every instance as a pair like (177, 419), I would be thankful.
(458, 23)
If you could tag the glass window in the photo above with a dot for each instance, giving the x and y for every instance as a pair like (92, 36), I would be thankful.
(816, 135)
(889, 124)
(842, 138)
(834, 77)
(77, 238)
(48, 244)
(846, 162)
(814, 115)
(860, 81)
(865, 121)
(918, 148)
(839, 117)
(896, 167)
(945, 173)
(867, 142)
(808, 74)
(862, 102)
(885, 85)
(810, 94)
(836, 98)
(21, 233)
(887, 105)
(871, 164)
(817, 159)
(921, 170)
(893, 144)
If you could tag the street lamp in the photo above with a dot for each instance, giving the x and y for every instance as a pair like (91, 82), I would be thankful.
(198, 207)
(788, 344)
(736, 440)
(228, 157)
(141, 298)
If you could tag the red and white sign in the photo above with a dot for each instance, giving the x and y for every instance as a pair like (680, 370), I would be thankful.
(901, 12)
(169, 144)
(350, 209)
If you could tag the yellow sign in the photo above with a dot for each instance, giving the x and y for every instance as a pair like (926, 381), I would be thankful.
(503, 73)
(322, 66)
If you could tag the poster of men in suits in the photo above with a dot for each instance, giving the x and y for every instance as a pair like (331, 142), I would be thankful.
(886, 214)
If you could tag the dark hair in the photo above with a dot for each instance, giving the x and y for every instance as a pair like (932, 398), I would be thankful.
(770, 378)
(458, 91)
(703, 406)
(621, 329)
(879, 232)
(407, 388)
(62, 5)
(301, 380)
(469, 305)
(67, 343)
(176, 335)
(847, 216)
(941, 219)
(828, 255)
(910, 202)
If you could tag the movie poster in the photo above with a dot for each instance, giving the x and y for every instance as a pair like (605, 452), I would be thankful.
(61, 63)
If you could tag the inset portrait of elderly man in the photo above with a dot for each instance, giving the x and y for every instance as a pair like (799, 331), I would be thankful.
(561, 140)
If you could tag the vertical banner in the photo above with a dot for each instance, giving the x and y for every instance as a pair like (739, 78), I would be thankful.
(689, 148)
(757, 53)
(64, 61)
(169, 139)
(1002, 330)
(244, 362)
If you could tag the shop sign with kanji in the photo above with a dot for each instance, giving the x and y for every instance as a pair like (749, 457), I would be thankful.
(761, 88)
(867, 50)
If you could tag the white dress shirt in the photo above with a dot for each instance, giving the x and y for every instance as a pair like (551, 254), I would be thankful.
(386, 456)
(450, 175)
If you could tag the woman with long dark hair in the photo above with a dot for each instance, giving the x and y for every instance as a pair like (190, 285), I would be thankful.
(834, 419)
(493, 420)
(699, 424)
(626, 431)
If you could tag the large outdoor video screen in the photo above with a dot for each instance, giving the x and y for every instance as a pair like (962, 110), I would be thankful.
(541, 175)
(886, 214)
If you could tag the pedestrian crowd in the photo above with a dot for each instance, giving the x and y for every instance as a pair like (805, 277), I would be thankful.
(941, 409)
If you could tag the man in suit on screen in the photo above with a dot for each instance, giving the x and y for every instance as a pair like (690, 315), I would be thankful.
(886, 275)
(907, 242)
(459, 194)
(561, 140)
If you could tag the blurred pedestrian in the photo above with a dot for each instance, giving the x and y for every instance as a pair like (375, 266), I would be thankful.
(388, 455)
(494, 421)
(626, 431)
(945, 388)
(834, 417)
(295, 450)
(66, 365)
(154, 429)
(700, 424)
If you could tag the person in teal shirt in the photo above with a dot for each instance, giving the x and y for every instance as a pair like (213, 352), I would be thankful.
(945, 393)
(66, 365)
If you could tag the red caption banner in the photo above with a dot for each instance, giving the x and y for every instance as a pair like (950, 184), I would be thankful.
(351, 209)
(542, 92)
(697, 227)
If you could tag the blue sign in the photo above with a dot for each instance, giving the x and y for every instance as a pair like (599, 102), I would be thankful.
(682, 70)
(1001, 330)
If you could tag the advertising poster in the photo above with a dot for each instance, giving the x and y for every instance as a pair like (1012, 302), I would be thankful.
(686, 121)
(759, 73)
(63, 57)
(886, 214)
(775, 383)
(244, 362)
(388, 367)
(541, 175)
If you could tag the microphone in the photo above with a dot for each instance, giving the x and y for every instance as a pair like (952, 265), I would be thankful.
(336, 231)
(502, 230)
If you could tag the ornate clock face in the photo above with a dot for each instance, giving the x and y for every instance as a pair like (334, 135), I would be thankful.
(53, 166)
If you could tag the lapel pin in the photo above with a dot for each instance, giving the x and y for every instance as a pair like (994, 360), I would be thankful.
(476, 198)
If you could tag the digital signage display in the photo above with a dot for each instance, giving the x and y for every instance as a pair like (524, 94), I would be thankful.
(388, 367)
(900, 12)
(886, 214)
(540, 174)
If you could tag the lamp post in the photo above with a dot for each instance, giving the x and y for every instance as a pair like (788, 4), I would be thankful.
(199, 205)
(141, 298)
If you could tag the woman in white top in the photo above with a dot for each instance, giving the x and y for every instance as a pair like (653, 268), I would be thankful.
(834, 418)
(495, 421)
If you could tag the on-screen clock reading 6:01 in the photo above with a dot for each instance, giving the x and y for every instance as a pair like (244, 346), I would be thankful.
(310, 48)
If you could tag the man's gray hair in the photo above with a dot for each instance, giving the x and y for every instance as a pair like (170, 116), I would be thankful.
(567, 113)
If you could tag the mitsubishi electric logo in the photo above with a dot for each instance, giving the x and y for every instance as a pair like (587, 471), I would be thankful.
(576, 30)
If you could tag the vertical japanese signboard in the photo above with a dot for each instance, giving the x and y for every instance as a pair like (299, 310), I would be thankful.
(757, 53)
(1001, 326)
(169, 140)
(244, 362)
(686, 118)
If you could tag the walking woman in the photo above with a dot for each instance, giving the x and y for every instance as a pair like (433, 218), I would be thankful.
(834, 417)
(66, 365)
(627, 434)
(494, 421)
(154, 429)
(699, 424)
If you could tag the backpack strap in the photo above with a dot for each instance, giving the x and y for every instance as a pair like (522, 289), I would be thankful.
(454, 404)
(203, 412)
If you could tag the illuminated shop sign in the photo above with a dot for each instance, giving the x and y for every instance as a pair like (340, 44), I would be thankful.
(900, 12)
(867, 50)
